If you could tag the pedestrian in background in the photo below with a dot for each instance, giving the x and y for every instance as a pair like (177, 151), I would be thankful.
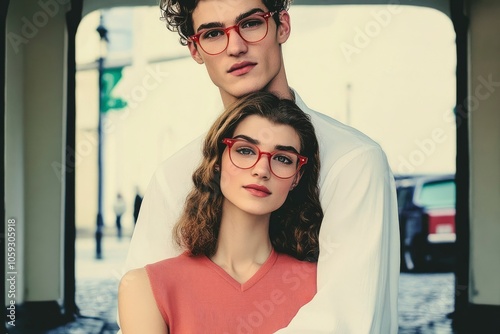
(137, 204)
(119, 207)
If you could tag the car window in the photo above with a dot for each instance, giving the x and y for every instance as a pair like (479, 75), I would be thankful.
(438, 194)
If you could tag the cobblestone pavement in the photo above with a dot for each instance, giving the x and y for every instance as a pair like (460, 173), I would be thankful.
(96, 286)
(425, 299)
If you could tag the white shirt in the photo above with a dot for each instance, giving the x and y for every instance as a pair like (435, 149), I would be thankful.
(358, 268)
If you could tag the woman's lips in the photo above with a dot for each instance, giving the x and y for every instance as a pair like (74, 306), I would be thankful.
(257, 190)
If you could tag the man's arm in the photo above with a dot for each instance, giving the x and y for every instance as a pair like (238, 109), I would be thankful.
(358, 269)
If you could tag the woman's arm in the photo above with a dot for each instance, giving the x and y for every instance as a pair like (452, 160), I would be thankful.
(137, 307)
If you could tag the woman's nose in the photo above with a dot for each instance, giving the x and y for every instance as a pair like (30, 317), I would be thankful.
(262, 167)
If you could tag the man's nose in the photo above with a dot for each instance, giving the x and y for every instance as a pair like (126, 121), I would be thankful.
(236, 45)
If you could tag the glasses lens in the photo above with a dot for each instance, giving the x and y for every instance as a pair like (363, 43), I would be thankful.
(213, 40)
(252, 29)
(284, 164)
(245, 155)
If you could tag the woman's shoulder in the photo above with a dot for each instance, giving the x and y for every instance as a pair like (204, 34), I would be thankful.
(181, 264)
(296, 277)
(134, 278)
(135, 285)
(137, 307)
(183, 259)
(288, 261)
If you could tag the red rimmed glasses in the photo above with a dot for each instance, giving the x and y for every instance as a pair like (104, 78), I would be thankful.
(245, 155)
(251, 29)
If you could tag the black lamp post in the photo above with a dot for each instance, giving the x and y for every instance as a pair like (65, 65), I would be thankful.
(103, 34)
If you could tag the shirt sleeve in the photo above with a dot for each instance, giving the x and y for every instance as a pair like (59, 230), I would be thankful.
(161, 207)
(358, 268)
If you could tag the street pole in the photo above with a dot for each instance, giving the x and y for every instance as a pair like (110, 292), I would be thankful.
(100, 222)
(348, 104)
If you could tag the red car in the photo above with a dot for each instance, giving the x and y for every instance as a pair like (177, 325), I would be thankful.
(426, 206)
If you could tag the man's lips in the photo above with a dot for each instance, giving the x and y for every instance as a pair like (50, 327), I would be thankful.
(241, 68)
(257, 190)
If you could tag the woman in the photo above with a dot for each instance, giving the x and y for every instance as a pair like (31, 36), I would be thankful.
(249, 230)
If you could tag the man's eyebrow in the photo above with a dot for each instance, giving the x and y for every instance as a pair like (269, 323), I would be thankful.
(247, 14)
(238, 19)
(210, 25)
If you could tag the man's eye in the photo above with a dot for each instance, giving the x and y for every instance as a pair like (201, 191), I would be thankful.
(213, 33)
(252, 23)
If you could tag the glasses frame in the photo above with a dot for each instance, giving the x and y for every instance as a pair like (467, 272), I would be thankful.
(196, 37)
(230, 142)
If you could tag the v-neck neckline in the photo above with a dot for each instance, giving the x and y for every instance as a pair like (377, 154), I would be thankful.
(259, 274)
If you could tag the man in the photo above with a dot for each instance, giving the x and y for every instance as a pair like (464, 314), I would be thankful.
(358, 268)
(119, 207)
(137, 204)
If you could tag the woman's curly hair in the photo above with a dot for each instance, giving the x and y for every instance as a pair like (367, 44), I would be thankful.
(178, 14)
(294, 227)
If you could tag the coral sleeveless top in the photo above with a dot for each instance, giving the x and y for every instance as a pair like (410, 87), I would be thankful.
(196, 296)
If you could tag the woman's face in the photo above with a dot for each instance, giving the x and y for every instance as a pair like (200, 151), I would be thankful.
(257, 190)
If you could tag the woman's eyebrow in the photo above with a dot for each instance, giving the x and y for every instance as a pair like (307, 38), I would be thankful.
(276, 147)
(286, 148)
(248, 139)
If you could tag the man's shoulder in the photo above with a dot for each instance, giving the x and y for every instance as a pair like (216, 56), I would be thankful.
(338, 132)
(338, 140)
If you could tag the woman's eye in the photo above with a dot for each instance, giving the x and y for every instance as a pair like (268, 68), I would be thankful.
(245, 151)
(283, 159)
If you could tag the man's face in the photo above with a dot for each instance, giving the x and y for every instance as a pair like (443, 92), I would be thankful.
(243, 67)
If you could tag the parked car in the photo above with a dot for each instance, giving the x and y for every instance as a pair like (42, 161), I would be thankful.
(426, 205)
